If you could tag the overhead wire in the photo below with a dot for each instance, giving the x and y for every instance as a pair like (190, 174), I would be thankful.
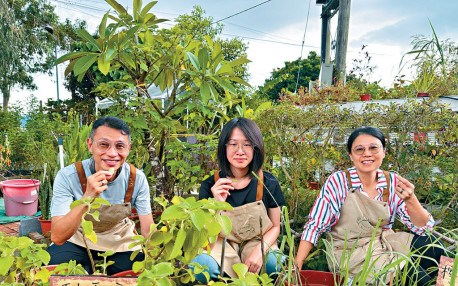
(252, 7)
(302, 48)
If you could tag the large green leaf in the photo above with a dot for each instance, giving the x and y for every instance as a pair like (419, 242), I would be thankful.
(225, 223)
(203, 59)
(68, 70)
(192, 58)
(174, 212)
(83, 64)
(118, 7)
(198, 219)
(147, 8)
(226, 85)
(5, 264)
(70, 56)
(88, 38)
(137, 6)
(164, 269)
(103, 26)
(205, 92)
(181, 236)
(103, 64)
(239, 61)
(214, 228)
(226, 68)
(129, 35)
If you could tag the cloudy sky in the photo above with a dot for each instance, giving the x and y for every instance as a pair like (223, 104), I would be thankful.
(274, 31)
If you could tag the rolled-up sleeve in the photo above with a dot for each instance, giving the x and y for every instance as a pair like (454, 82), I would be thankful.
(325, 210)
(62, 195)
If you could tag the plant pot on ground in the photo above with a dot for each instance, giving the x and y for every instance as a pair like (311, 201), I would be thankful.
(44, 199)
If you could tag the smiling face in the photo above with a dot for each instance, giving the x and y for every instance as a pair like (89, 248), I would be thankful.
(116, 155)
(367, 162)
(240, 158)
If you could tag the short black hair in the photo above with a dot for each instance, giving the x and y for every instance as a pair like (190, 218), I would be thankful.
(112, 122)
(252, 133)
(369, 130)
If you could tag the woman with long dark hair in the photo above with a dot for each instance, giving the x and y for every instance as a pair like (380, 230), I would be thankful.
(254, 194)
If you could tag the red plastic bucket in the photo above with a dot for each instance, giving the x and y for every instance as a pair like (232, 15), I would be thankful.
(317, 278)
(21, 196)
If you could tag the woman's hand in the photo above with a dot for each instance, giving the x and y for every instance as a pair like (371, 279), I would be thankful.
(220, 189)
(254, 261)
(404, 188)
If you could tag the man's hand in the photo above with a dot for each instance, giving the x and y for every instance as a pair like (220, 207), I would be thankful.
(97, 184)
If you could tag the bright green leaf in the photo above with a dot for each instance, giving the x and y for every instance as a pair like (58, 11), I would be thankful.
(181, 236)
(88, 38)
(103, 64)
(192, 58)
(147, 8)
(117, 6)
(205, 92)
(197, 218)
(203, 58)
(83, 64)
(5, 264)
(103, 26)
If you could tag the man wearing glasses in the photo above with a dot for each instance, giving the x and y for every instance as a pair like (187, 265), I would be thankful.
(106, 175)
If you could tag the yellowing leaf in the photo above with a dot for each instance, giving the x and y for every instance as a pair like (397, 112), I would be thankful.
(175, 200)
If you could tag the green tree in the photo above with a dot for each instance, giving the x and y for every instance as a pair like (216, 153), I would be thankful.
(188, 69)
(285, 78)
(24, 44)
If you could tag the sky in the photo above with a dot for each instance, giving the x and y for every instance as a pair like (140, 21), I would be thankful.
(274, 31)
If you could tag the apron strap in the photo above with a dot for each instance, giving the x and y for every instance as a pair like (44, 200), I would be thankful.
(386, 191)
(259, 188)
(81, 175)
(131, 184)
(349, 179)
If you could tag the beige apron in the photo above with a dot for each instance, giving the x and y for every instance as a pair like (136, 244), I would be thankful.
(246, 231)
(114, 230)
(358, 218)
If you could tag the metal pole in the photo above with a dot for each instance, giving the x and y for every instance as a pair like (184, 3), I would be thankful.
(60, 143)
(57, 71)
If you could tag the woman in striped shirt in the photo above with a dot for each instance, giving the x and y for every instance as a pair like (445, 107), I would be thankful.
(352, 203)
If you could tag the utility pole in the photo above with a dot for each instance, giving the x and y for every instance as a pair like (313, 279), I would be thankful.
(342, 37)
(329, 9)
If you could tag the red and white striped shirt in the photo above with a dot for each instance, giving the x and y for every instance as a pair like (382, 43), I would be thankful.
(325, 212)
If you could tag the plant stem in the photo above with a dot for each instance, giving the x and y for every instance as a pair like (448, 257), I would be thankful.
(90, 255)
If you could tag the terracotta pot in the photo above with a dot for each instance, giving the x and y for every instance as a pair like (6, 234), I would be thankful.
(126, 273)
(45, 227)
(365, 97)
(422, 94)
(316, 278)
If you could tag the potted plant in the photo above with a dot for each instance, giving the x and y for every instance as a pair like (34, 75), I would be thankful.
(425, 82)
(44, 198)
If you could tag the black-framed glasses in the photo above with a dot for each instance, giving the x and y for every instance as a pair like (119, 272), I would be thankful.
(232, 146)
(373, 149)
(104, 146)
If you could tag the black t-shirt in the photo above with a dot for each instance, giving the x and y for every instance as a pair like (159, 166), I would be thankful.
(272, 195)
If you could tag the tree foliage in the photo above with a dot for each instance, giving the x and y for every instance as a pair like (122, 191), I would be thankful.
(24, 44)
(192, 71)
(285, 78)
